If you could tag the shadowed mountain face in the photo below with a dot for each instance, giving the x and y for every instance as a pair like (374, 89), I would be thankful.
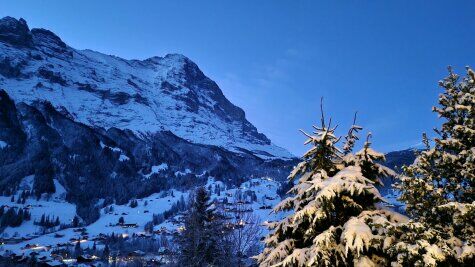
(115, 129)
(167, 93)
(113, 164)
(397, 159)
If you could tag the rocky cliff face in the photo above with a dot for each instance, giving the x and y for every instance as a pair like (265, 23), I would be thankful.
(110, 129)
(167, 93)
(114, 164)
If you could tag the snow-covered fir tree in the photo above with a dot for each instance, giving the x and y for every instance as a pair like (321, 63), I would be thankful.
(337, 219)
(438, 187)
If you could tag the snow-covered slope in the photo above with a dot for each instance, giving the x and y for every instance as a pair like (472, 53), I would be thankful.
(93, 163)
(28, 238)
(145, 96)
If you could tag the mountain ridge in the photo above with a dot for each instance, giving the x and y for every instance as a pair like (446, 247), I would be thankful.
(145, 96)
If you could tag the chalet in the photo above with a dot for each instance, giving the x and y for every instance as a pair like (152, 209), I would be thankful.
(84, 259)
(12, 240)
(54, 263)
(22, 259)
(129, 225)
(136, 253)
(33, 254)
(142, 234)
(99, 238)
(57, 257)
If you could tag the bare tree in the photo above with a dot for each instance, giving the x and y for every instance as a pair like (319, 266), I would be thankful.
(246, 232)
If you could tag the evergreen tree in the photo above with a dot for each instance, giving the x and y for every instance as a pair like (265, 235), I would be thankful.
(75, 222)
(438, 187)
(106, 252)
(201, 241)
(335, 204)
(133, 203)
(44, 174)
(77, 249)
(148, 227)
(43, 219)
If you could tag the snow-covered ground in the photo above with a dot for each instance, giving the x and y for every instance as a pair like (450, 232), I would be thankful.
(54, 206)
(157, 169)
(135, 218)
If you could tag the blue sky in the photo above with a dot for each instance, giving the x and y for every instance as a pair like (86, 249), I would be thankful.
(275, 59)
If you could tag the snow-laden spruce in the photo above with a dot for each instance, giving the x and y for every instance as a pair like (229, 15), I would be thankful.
(337, 217)
(438, 187)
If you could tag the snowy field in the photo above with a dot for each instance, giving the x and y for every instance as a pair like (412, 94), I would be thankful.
(134, 218)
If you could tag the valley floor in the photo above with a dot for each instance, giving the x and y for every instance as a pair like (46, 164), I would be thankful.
(30, 239)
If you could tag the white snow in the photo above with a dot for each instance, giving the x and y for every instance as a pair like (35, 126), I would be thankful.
(3, 144)
(53, 206)
(187, 171)
(264, 188)
(149, 106)
(356, 236)
(123, 157)
(157, 169)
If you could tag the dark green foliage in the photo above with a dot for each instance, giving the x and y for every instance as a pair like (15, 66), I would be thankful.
(47, 222)
(202, 241)
(90, 212)
(13, 217)
(176, 208)
(44, 174)
(106, 252)
(133, 203)
(75, 222)
(284, 188)
(148, 227)
(77, 249)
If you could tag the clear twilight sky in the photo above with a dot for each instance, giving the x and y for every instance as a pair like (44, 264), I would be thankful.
(275, 59)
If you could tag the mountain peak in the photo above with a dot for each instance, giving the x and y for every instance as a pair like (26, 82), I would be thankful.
(45, 36)
(167, 93)
(15, 32)
(175, 56)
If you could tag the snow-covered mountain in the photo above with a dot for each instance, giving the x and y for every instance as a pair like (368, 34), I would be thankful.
(109, 129)
(167, 93)
(86, 134)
